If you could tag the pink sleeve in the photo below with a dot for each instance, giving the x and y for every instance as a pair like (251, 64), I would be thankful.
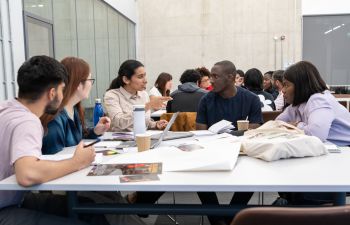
(26, 140)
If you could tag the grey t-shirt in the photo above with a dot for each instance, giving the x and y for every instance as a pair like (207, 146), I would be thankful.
(21, 135)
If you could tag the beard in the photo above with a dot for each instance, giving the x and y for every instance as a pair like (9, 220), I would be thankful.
(52, 107)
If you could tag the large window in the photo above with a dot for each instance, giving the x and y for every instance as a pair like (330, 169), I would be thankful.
(326, 43)
(91, 30)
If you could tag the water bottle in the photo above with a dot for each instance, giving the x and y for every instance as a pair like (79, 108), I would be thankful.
(98, 111)
(139, 119)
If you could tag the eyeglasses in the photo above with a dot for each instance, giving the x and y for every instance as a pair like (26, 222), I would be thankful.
(92, 80)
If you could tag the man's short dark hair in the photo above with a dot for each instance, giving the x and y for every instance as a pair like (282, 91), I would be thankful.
(278, 75)
(37, 75)
(190, 76)
(227, 66)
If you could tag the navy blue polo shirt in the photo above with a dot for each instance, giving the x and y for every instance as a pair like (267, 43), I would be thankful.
(213, 108)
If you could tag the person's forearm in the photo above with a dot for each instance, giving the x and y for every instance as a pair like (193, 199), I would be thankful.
(30, 170)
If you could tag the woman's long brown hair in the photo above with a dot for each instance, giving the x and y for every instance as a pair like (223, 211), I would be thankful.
(78, 71)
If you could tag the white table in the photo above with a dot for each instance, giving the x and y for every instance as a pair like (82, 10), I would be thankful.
(328, 173)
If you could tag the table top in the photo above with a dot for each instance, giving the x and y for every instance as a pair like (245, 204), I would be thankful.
(328, 173)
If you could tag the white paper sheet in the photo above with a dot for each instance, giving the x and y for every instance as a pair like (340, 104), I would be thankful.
(216, 156)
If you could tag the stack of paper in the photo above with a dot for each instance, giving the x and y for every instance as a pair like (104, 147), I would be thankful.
(191, 156)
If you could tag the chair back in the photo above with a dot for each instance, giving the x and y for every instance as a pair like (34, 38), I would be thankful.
(185, 121)
(271, 115)
(339, 215)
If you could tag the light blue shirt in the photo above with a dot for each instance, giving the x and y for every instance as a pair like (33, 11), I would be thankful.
(321, 116)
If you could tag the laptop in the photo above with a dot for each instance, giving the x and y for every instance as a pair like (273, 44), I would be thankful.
(169, 135)
(156, 139)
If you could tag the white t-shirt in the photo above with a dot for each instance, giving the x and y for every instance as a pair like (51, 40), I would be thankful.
(279, 101)
(155, 92)
(21, 134)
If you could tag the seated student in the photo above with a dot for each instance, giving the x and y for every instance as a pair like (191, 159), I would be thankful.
(126, 90)
(240, 78)
(204, 82)
(268, 86)
(254, 82)
(277, 78)
(312, 107)
(314, 110)
(226, 101)
(162, 86)
(188, 94)
(68, 127)
(41, 81)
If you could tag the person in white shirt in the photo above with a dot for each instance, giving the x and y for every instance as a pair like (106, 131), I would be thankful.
(162, 86)
(277, 79)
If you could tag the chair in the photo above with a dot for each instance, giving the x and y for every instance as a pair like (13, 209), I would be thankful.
(339, 215)
(271, 115)
(185, 121)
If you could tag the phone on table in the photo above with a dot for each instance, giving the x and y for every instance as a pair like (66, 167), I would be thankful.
(92, 143)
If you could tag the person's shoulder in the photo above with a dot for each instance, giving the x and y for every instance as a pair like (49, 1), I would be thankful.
(321, 99)
(154, 92)
(209, 96)
(246, 93)
(60, 119)
(201, 90)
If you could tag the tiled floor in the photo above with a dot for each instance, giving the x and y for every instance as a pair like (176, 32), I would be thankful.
(224, 198)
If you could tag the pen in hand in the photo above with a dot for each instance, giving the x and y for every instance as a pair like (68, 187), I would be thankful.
(92, 143)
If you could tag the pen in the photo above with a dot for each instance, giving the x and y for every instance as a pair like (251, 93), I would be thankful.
(92, 143)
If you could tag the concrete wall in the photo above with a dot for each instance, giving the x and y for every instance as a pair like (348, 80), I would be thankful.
(176, 35)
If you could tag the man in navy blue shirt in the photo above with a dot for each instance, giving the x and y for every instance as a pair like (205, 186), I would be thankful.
(226, 101)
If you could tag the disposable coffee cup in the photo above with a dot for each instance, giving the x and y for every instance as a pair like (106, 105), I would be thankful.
(242, 124)
(143, 142)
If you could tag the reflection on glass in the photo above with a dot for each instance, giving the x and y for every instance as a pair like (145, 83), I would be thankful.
(42, 8)
(39, 38)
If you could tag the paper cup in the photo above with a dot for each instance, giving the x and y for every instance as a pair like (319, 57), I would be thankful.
(242, 124)
(143, 142)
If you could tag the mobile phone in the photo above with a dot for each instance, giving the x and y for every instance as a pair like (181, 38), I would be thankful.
(92, 143)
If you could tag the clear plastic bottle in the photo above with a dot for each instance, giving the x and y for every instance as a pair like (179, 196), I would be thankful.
(139, 119)
(98, 111)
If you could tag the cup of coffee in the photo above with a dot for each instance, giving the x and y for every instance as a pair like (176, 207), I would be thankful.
(242, 124)
(143, 142)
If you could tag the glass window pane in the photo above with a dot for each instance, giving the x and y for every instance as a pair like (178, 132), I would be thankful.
(39, 38)
(101, 40)
(65, 29)
(326, 43)
(113, 42)
(42, 8)
(123, 39)
(131, 40)
(86, 39)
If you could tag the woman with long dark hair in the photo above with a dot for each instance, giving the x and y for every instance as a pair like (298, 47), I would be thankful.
(128, 89)
(312, 107)
(67, 128)
(162, 86)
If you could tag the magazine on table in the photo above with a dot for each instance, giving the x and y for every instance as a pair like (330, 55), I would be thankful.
(126, 169)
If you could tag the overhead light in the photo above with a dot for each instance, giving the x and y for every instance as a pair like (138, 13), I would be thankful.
(33, 6)
(328, 31)
(336, 27)
(40, 5)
